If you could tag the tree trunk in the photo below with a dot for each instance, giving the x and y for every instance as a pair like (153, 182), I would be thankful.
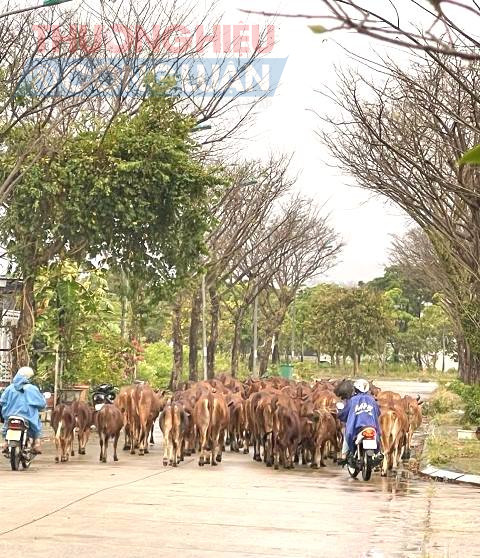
(355, 363)
(264, 358)
(275, 350)
(177, 344)
(214, 321)
(193, 336)
(337, 360)
(468, 364)
(23, 332)
(237, 332)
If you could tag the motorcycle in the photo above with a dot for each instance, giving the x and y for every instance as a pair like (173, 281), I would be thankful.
(367, 454)
(20, 444)
(102, 395)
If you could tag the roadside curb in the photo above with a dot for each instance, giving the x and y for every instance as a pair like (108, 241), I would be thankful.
(450, 476)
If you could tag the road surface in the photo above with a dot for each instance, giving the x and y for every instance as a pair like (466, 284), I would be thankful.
(137, 508)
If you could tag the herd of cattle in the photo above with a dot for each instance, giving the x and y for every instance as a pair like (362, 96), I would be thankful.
(285, 422)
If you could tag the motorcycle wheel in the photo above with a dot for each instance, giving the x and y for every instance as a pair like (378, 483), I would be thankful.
(15, 458)
(353, 471)
(366, 467)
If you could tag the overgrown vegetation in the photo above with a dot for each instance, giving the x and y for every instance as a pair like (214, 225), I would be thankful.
(445, 450)
(470, 396)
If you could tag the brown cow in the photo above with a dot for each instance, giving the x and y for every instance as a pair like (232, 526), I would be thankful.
(143, 407)
(394, 427)
(286, 435)
(173, 420)
(414, 417)
(188, 399)
(237, 425)
(124, 402)
(63, 424)
(211, 417)
(109, 424)
(387, 397)
(83, 414)
(325, 432)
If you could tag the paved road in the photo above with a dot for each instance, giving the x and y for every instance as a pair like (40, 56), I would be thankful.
(424, 389)
(137, 508)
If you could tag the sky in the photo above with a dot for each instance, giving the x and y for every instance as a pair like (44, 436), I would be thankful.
(286, 123)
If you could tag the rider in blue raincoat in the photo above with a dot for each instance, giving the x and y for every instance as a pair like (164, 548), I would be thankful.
(360, 411)
(23, 399)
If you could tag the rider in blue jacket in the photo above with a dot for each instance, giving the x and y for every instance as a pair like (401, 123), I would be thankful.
(23, 399)
(360, 411)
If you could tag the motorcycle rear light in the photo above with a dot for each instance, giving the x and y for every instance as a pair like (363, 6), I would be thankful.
(369, 433)
(16, 425)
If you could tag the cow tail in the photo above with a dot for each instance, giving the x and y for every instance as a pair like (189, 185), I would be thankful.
(210, 406)
(58, 433)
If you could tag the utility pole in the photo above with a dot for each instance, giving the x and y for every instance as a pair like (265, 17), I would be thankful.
(204, 327)
(293, 330)
(255, 334)
(57, 370)
(44, 4)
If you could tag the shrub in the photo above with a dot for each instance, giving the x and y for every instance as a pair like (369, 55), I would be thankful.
(157, 364)
(471, 398)
(443, 401)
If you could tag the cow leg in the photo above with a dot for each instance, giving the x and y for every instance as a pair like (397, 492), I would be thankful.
(203, 443)
(127, 443)
(106, 448)
(100, 437)
(70, 442)
(63, 443)
(86, 436)
(316, 457)
(58, 448)
(174, 451)
(322, 455)
(115, 444)
(152, 441)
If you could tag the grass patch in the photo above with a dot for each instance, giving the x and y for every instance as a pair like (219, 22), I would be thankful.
(442, 402)
(448, 452)
(311, 370)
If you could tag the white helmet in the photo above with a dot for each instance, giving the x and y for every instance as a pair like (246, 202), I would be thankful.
(361, 385)
(25, 371)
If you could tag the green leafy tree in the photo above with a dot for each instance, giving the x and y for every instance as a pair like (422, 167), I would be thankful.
(352, 321)
(131, 195)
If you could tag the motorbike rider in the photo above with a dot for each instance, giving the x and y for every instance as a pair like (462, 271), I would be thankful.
(359, 412)
(23, 399)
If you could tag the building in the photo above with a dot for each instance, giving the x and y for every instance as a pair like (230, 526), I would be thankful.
(9, 291)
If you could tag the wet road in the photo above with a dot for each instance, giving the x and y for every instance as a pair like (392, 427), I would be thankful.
(137, 508)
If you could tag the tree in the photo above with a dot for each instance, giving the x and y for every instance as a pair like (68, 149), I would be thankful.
(352, 321)
(310, 249)
(444, 31)
(59, 68)
(405, 144)
(132, 196)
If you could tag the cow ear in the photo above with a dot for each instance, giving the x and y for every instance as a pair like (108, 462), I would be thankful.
(230, 403)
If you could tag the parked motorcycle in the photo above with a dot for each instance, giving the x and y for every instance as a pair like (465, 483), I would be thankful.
(367, 454)
(20, 444)
(103, 394)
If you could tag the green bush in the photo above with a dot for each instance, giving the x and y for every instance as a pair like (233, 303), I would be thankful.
(442, 401)
(157, 363)
(471, 398)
